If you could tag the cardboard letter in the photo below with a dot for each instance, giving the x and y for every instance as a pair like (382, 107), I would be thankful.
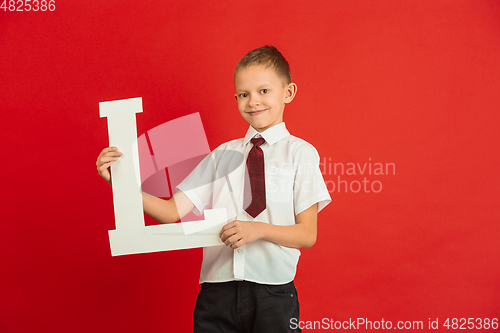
(131, 235)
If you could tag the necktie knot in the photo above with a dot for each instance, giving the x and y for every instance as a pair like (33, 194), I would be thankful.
(258, 141)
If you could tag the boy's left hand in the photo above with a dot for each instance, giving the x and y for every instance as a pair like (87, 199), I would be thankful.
(237, 233)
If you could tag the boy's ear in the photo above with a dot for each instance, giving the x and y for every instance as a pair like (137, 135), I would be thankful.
(290, 91)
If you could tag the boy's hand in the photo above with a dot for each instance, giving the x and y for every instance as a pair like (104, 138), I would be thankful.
(302, 234)
(237, 233)
(104, 161)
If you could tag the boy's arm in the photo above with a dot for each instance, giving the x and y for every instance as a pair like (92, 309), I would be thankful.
(167, 211)
(163, 211)
(300, 235)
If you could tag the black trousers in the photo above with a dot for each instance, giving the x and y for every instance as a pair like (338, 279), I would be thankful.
(246, 307)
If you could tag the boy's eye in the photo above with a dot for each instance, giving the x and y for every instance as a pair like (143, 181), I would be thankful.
(264, 91)
(243, 95)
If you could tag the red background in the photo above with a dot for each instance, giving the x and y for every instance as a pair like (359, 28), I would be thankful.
(414, 83)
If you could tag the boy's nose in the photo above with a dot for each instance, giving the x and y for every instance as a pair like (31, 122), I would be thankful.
(254, 100)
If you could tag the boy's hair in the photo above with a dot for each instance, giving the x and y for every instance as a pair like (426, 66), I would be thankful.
(269, 56)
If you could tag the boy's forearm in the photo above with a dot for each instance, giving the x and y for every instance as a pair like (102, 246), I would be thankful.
(300, 235)
(163, 211)
(294, 236)
(167, 211)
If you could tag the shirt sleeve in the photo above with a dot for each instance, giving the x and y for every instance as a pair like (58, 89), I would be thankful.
(309, 186)
(198, 185)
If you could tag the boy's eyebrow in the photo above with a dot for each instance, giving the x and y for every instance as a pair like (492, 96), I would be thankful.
(264, 85)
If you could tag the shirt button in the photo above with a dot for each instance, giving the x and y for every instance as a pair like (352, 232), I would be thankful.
(239, 250)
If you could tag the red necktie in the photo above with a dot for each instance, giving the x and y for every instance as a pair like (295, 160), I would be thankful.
(255, 166)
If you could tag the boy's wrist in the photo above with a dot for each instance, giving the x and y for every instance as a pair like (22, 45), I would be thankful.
(263, 230)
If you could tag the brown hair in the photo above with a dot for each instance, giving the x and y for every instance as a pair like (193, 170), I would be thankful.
(268, 56)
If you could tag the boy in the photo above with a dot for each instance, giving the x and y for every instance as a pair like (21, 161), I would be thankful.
(247, 285)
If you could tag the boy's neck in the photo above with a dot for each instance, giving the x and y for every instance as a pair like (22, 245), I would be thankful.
(263, 130)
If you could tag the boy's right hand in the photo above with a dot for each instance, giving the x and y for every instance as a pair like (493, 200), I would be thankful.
(104, 161)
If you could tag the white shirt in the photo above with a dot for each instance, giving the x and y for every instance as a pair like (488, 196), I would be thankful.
(293, 184)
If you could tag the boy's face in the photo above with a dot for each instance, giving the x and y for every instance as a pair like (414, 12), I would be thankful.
(262, 95)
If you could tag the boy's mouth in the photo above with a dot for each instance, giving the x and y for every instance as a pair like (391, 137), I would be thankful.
(256, 112)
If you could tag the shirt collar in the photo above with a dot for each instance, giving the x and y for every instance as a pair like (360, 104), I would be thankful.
(271, 135)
